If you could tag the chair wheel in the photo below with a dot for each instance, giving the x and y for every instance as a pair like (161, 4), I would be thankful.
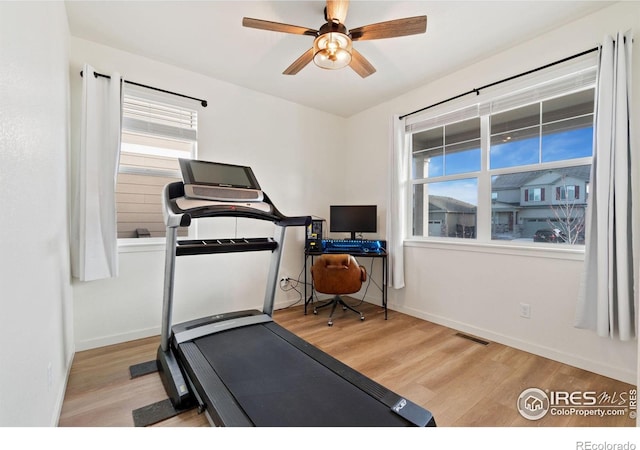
(330, 324)
(315, 311)
(362, 318)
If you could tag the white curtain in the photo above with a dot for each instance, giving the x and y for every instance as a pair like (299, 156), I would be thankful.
(396, 203)
(94, 250)
(607, 302)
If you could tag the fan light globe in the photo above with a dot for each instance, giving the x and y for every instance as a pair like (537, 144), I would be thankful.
(332, 50)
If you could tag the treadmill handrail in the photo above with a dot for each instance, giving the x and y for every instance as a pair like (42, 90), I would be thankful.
(174, 216)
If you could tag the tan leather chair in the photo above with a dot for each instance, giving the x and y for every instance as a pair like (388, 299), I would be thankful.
(338, 275)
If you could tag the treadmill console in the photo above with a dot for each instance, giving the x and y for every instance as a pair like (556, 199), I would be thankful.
(205, 180)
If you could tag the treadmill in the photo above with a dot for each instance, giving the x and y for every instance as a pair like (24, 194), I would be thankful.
(241, 368)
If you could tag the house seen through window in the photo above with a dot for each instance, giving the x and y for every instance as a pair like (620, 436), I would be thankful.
(155, 133)
(521, 164)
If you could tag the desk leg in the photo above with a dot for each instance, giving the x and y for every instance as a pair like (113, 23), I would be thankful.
(310, 298)
(306, 301)
(384, 286)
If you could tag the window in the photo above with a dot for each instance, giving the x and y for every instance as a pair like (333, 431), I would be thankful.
(553, 130)
(534, 195)
(155, 133)
(446, 154)
(569, 193)
(447, 150)
(508, 167)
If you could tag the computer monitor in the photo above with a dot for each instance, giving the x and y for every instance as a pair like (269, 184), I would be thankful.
(353, 219)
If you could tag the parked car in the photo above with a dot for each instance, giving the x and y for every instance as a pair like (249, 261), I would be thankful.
(549, 235)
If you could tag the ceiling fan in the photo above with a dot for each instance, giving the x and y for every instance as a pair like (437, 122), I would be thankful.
(332, 46)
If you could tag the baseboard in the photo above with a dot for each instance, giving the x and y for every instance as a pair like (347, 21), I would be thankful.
(324, 297)
(57, 411)
(616, 373)
(116, 339)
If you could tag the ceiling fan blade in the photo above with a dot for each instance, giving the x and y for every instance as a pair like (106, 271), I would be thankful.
(337, 10)
(276, 26)
(360, 64)
(390, 29)
(299, 63)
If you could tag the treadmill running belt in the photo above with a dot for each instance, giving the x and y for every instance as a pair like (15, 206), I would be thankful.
(279, 385)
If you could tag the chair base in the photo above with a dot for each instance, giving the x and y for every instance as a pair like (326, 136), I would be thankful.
(333, 303)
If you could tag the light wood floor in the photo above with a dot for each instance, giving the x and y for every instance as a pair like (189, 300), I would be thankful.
(463, 383)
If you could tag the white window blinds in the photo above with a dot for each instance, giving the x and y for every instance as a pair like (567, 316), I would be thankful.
(570, 76)
(442, 119)
(559, 86)
(144, 113)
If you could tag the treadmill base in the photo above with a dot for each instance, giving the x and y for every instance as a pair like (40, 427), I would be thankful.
(173, 379)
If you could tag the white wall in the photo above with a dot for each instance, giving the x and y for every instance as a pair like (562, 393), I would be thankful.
(36, 299)
(477, 289)
(289, 147)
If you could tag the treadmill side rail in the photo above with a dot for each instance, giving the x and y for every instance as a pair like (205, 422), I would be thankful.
(414, 413)
(220, 404)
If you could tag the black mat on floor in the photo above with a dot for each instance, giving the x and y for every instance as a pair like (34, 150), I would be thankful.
(154, 413)
(143, 368)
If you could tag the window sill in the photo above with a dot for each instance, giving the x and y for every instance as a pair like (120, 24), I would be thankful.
(554, 251)
(134, 245)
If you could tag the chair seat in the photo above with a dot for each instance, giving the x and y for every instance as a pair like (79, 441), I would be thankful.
(337, 274)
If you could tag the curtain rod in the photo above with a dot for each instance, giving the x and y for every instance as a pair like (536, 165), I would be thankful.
(202, 102)
(477, 90)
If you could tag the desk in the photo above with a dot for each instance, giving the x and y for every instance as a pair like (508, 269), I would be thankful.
(382, 255)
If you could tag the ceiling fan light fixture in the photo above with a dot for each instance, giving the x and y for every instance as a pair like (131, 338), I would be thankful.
(332, 50)
(332, 46)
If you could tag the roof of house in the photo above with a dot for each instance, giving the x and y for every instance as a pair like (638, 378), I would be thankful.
(517, 180)
(449, 204)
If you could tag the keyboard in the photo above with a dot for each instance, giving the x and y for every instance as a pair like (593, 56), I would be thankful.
(353, 246)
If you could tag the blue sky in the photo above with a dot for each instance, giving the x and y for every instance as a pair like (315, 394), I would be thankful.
(570, 144)
(465, 190)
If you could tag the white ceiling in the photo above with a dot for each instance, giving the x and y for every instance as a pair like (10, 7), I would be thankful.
(208, 37)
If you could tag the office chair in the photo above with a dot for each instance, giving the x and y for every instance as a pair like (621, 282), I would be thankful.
(338, 275)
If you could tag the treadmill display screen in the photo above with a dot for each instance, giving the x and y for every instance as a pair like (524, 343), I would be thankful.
(217, 174)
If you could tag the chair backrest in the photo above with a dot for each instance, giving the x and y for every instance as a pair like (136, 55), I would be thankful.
(337, 274)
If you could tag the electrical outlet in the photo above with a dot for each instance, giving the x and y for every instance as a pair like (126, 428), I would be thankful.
(284, 282)
(525, 310)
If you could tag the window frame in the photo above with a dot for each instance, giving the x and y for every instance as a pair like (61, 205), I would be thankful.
(456, 111)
